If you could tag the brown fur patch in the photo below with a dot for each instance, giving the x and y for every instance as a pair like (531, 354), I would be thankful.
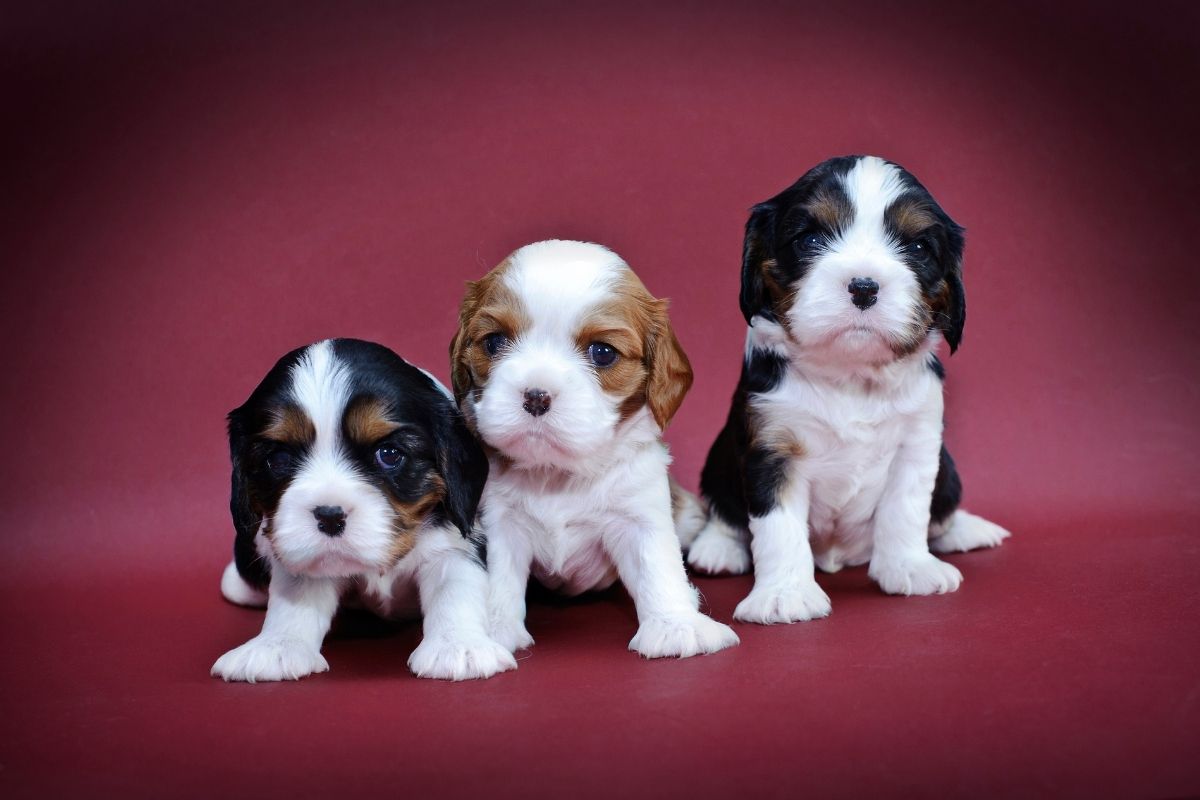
(652, 368)
(410, 516)
(488, 307)
(290, 425)
(366, 421)
(831, 208)
(909, 217)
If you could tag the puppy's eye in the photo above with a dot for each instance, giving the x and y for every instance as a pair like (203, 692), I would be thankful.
(389, 457)
(493, 343)
(812, 241)
(917, 248)
(280, 462)
(601, 354)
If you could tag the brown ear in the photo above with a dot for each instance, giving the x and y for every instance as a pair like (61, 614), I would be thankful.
(670, 373)
(460, 372)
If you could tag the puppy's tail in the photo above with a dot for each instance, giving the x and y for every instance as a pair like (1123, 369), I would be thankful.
(963, 531)
(689, 513)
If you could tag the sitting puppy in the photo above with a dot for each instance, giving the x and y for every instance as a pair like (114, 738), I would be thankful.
(832, 452)
(354, 474)
(568, 370)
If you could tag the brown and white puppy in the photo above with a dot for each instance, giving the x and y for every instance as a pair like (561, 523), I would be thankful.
(832, 455)
(355, 476)
(568, 370)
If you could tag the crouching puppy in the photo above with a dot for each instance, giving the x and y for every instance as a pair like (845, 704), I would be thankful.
(832, 453)
(568, 370)
(355, 477)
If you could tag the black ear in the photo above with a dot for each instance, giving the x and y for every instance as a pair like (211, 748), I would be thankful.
(246, 520)
(464, 469)
(757, 247)
(953, 317)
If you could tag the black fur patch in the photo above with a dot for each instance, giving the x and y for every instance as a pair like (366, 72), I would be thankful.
(947, 489)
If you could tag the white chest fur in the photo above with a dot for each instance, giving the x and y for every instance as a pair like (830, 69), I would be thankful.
(850, 433)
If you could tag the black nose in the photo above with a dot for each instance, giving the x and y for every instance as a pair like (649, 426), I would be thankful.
(537, 401)
(863, 292)
(331, 520)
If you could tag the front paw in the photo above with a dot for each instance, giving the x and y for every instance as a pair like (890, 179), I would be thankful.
(460, 659)
(270, 659)
(679, 637)
(922, 574)
(511, 635)
(770, 605)
(716, 554)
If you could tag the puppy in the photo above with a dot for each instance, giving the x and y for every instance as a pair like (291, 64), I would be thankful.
(354, 476)
(568, 370)
(832, 453)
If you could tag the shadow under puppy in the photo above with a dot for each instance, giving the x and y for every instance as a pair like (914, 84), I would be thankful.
(355, 477)
(568, 370)
(832, 454)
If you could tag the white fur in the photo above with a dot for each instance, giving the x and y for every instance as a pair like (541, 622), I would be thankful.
(312, 572)
(583, 498)
(870, 425)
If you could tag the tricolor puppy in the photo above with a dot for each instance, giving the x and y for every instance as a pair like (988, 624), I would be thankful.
(354, 476)
(832, 453)
(568, 370)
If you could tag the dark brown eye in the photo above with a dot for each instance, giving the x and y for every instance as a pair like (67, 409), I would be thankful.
(812, 241)
(280, 462)
(602, 354)
(493, 343)
(389, 457)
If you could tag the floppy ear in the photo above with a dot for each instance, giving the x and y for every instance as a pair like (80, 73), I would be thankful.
(758, 246)
(460, 372)
(670, 373)
(953, 316)
(246, 520)
(464, 469)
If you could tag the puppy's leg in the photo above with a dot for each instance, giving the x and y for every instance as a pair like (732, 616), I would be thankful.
(236, 590)
(965, 531)
(688, 513)
(668, 607)
(901, 562)
(299, 612)
(785, 588)
(453, 588)
(509, 558)
(720, 549)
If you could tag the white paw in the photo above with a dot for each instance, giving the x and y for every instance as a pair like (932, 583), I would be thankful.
(719, 552)
(922, 574)
(796, 602)
(460, 659)
(682, 636)
(236, 590)
(270, 659)
(511, 635)
(968, 532)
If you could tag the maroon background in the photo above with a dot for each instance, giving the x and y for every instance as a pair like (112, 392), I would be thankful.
(189, 193)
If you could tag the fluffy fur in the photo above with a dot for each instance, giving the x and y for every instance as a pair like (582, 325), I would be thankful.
(354, 474)
(832, 454)
(568, 370)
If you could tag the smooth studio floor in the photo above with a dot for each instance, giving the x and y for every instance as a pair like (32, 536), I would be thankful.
(187, 194)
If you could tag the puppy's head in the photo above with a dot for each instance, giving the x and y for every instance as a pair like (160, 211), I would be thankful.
(343, 452)
(556, 347)
(855, 259)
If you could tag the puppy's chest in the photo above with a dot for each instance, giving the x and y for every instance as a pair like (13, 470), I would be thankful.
(847, 445)
(565, 533)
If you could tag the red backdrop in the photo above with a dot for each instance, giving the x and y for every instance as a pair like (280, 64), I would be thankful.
(189, 192)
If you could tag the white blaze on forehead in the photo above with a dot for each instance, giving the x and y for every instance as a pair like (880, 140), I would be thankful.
(871, 186)
(321, 387)
(558, 281)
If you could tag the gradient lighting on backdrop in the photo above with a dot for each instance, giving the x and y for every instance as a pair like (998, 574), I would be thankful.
(189, 192)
